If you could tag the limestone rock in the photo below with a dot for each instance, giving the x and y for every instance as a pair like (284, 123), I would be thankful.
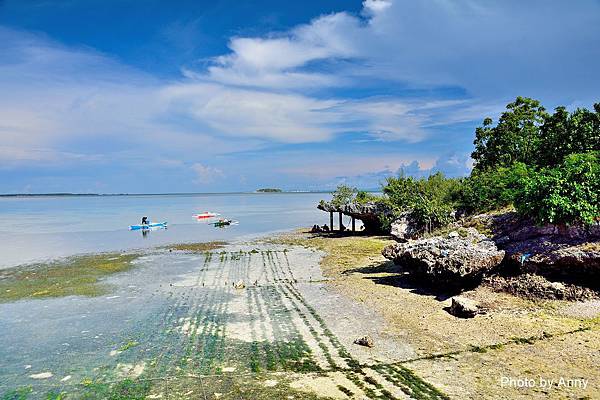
(537, 287)
(568, 253)
(405, 227)
(369, 213)
(463, 308)
(455, 262)
(366, 341)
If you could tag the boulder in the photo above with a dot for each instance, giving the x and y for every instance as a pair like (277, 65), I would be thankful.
(405, 227)
(463, 308)
(454, 262)
(366, 341)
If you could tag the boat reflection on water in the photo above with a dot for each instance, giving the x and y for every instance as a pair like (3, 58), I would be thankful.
(154, 228)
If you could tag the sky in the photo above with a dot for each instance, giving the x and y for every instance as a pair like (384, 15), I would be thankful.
(123, 96)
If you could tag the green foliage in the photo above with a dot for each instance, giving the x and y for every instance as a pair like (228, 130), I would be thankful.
(493, 189)
(363, 197)
(431, 200)
(563, 134)
(343, 195)
(546, 164)
(516, 137)
(564, 194)
(527, 133)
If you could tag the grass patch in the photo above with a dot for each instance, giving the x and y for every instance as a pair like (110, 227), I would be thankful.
(79, 276)
(342, 253)
(195, 247)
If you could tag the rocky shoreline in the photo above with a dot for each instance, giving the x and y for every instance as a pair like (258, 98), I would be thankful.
(514, 255)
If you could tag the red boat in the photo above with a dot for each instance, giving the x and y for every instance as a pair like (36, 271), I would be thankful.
(206, 214)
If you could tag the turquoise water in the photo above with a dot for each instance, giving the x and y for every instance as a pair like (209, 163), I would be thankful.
(40, 228)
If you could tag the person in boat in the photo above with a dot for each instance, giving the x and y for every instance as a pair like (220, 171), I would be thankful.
(144, 220)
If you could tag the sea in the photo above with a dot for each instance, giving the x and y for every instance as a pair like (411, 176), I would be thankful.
(42, 228)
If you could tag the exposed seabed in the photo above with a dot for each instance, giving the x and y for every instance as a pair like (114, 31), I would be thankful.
(243, 321)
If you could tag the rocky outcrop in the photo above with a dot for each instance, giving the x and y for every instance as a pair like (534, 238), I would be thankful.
(405, 227)
(464, 308)
(370, 213)
(537, 287)
(569, 253)
(452, 261)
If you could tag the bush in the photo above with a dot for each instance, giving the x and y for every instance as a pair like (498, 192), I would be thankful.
(565, 194)
(363, 197)
(431, 200)
(343, 195)
(493, 189)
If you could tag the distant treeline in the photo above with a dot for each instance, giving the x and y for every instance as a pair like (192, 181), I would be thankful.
(269, 190)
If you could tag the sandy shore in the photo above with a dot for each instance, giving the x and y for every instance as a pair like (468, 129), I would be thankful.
(470, 358)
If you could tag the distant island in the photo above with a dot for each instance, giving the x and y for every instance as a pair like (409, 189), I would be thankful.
(269, 190)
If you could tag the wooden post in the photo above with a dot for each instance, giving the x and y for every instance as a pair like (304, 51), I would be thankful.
(341, 222)
(331, 220)
(353, 225)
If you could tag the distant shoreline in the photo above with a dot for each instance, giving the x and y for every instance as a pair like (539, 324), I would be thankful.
(163, 194)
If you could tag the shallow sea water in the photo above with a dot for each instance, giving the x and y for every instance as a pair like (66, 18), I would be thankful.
(39, 228)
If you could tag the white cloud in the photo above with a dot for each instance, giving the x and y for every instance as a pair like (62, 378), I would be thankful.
(205, 174)
(300, 85)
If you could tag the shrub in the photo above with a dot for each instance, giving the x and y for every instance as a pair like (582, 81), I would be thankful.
(565, 194)
(493, 188)
(343, 195)
(431, 200)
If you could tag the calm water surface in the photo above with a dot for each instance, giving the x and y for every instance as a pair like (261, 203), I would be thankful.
(40, 228)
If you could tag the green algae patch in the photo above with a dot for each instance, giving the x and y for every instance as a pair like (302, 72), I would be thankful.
(195, 247)
(74, 276)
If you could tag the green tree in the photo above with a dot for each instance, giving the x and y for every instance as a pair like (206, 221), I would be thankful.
(492, 189)
(343, 195)
(565, 194)
(515, 138)
(431, 201)
(563, 134)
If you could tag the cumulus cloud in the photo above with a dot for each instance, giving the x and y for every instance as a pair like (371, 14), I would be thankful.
(379, 75)
(205, 174)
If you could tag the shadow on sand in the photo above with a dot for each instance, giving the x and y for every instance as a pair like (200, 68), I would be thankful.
(402, 279)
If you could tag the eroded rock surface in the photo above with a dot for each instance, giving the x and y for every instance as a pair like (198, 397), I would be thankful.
(405, 228)
(454, 261)
(569, 253)
(464, 308)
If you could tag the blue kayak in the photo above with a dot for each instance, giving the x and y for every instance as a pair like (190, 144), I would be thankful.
(148, 226)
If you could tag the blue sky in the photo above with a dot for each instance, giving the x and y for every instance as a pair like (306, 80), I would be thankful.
(193, 96)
